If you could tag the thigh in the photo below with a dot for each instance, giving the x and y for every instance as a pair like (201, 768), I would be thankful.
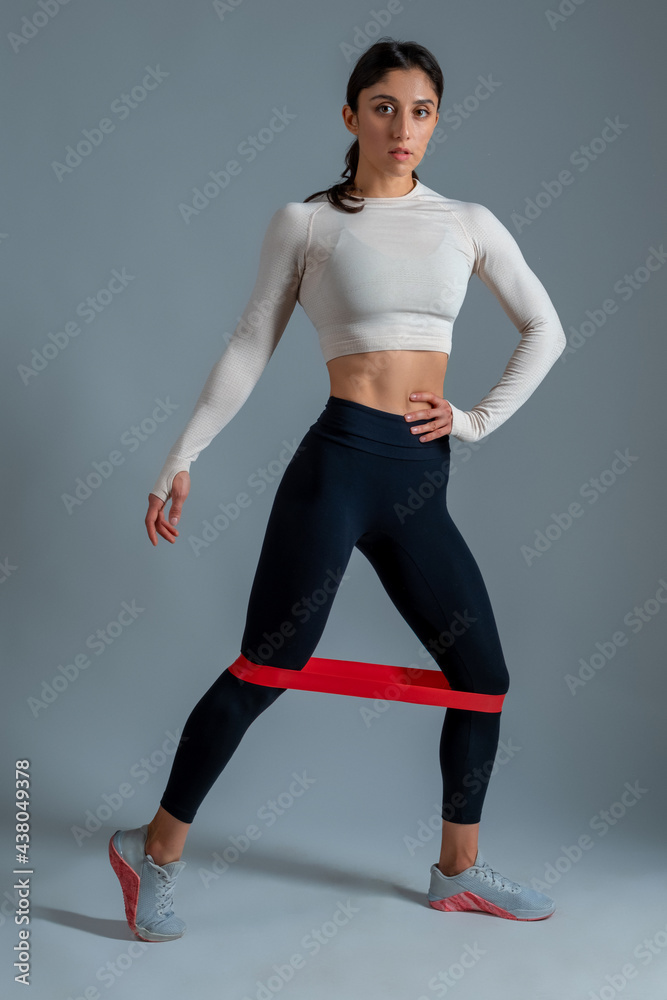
(433, 579)
(307, 545)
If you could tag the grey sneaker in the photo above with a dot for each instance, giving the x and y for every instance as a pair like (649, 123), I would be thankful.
(481, 888)
(147, 888)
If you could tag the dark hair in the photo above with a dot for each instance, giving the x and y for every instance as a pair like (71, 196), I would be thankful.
(386, 54)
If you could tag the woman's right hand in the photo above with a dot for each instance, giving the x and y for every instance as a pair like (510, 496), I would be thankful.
(155, 519)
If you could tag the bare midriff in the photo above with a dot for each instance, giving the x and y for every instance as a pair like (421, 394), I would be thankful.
(385, 379)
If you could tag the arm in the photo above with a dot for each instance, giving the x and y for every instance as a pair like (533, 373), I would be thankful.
(501, 266)
(235, 374)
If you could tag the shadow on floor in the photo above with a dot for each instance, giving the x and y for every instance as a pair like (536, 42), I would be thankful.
(100, 926)
(284, 865)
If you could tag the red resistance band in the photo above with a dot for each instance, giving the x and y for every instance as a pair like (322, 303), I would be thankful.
(367, 680)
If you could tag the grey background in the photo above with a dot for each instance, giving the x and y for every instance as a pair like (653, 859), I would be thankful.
(67, 574)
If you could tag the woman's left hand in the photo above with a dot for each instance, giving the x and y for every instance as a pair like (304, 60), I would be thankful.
(440, 411)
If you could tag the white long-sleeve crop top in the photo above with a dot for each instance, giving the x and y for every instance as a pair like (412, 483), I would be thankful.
(392, 276)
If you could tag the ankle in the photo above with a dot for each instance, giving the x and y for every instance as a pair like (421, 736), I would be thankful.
(454, 866)
(162, 854)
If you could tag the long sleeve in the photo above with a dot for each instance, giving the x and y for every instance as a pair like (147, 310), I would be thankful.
(501, 266)
(235, 374)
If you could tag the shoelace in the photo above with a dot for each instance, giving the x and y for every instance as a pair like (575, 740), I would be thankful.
(487, 872)
(165, 893)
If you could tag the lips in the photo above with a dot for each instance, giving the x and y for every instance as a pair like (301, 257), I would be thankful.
(399, 149)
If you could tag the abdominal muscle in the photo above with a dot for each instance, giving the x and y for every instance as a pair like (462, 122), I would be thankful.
(385, 379)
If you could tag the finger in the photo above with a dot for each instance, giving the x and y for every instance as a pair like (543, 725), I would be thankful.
(419, 414)
(178, 497)
(421, 428)
(175, 513)
(164, 523)
(150, 528)
(435, 428)
(434, 435)
(150, 521)
(153, 521)
(167, 532)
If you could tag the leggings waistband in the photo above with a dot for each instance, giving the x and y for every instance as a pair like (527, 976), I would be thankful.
(378, 431)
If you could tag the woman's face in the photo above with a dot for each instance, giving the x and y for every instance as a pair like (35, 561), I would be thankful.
(398, 110)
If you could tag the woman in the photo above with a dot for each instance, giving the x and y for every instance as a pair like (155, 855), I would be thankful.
(380, 263)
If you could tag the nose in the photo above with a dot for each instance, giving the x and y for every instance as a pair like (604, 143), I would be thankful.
(401, 126)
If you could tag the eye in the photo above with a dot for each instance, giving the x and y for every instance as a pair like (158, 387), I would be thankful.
(425, 110)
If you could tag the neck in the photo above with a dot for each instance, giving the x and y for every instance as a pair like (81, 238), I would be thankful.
(350, 186)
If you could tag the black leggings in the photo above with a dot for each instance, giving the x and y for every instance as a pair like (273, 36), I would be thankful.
(360, 478)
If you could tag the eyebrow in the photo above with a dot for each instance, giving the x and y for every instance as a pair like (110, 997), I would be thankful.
(421, 100)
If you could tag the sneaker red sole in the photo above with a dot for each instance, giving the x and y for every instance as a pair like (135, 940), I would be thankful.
(129, 883)
(470, 901)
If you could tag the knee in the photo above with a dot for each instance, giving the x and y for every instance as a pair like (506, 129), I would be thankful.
(494, 679)
(492, 675)
(481, 674)
(500, 681)
(232, 701)
(243, 696)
